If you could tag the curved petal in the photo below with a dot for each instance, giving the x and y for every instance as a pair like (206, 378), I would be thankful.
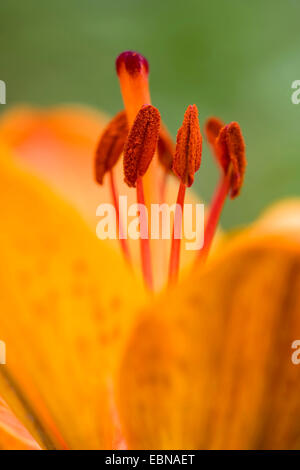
(67, 301)
(13, 435)
(209, 365)
(59, 146)
(281, 217)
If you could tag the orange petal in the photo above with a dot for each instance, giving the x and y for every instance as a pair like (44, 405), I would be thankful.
(67, 302)
(209, 365)
(281, 217)
(13, 435)
(59, 146)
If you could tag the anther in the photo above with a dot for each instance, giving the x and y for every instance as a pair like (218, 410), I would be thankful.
(230, 148)
(110, 146)
(188, 151)
(141, 144)
(108, 152)
(212, 129)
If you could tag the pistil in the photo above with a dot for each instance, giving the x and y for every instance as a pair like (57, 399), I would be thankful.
(115, 199)
(165, 151)
(132, 69)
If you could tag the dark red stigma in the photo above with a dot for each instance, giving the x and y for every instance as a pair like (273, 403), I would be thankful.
(133, 62)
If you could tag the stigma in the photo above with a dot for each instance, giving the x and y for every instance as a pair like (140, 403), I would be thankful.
(133, 62)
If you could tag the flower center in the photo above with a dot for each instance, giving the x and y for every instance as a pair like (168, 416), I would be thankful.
(149, 157)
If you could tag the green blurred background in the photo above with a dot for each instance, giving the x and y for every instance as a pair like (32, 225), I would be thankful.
(235, 59)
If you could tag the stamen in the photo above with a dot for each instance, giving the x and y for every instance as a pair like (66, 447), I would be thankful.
(175, 248)
(230, 147)
(144, 242)
(230, 151)
(108, 152)
(212, 129)
(187, 160)
(213, 126)
(141, 144)
(110, 146)
(215, 211)
(138, 153)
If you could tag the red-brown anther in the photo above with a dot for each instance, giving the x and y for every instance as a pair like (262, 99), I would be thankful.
(141, 144)
(213, 126)
(187, 158)
(165, 149)
(230, 148)
(111, 145)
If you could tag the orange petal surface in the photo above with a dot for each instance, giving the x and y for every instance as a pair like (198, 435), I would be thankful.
(13, 435)
(67, 302)
(209, 365)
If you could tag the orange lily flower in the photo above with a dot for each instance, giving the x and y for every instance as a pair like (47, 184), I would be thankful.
(194, 357)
